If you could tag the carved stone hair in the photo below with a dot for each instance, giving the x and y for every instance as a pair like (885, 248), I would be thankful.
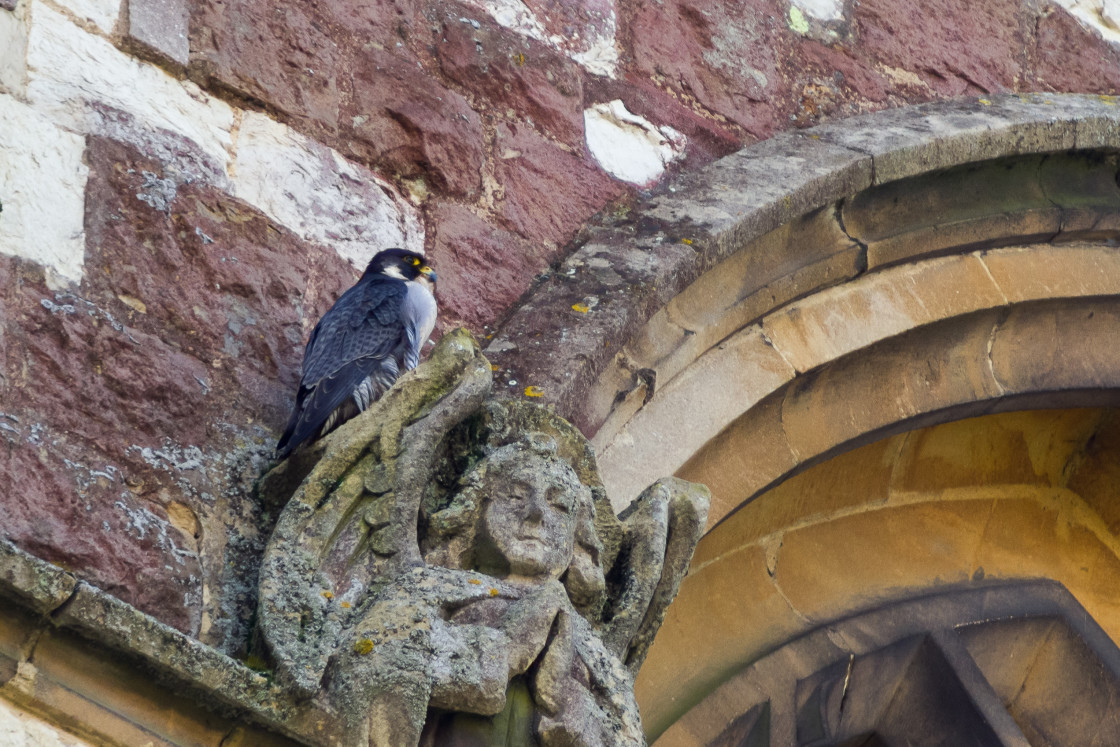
(453, 532)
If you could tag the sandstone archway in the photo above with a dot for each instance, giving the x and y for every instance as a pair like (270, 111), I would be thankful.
(786, 324)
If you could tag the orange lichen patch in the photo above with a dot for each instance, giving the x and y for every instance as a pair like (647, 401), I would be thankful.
(345, 605)
(493, 592)
(534, 391)
(363, 646)
(326, 595)
(581, 308)
(474, 581)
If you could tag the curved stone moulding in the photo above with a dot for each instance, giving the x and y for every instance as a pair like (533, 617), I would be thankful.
(747, 276)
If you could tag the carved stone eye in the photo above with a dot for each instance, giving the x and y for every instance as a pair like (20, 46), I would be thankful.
(560, 500)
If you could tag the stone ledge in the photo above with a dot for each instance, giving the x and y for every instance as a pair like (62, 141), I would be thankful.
(140, 649)
(33, 583)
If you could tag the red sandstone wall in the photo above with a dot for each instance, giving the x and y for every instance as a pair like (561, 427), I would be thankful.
(139, 401)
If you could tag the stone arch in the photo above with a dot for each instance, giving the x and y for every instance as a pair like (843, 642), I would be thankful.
(812, 298)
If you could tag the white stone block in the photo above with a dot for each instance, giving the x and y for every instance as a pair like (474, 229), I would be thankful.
(1101, 15)
(42, 192)
(318, 194)
(822, 10)
(71, 71)
(101, 13)
(13, 50)
(629, 147)
(595, 49)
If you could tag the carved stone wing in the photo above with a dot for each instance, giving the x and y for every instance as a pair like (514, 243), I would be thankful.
(660, 532)
(350, 527)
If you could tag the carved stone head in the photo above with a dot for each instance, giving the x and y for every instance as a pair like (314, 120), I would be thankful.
(523, 515)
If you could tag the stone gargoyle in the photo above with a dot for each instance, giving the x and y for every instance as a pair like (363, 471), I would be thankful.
(450, 572)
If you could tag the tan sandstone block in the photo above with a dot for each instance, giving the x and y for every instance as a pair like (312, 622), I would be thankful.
(1058, 347)
(742, 460)
(1038, 272)
(894, 385)
(87, 684)
(691, 410)
(1015, 448)
(1051, 535)
(829, 569)
(843, 319)
(727, 614)
(857, 478)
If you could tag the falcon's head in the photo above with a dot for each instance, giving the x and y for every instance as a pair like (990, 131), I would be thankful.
(406, 265)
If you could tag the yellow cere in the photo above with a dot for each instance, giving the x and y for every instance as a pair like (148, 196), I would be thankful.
(534, 391)
(363, 646)
(581, 308)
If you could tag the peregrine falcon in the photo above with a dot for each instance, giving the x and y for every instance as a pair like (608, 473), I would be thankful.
(365, 341)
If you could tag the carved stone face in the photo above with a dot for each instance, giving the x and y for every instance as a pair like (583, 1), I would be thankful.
(529, 523)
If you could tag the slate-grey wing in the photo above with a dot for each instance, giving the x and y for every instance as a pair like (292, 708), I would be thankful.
(358, 338)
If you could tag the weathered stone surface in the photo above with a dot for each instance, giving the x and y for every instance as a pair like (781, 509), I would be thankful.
(839, 321)
(630, 147)
(1067, 57)
(1034, 349)
(510, 72)
(410, 587)
(102, 14)
(133, 428)
(722, 55)
(42, 192)
(584, 29)
(160, 27)
(489, 269)
(747, 368)
(547, 193)
(38, 585)
(286, 57)
(408, 123)
(20, 727)
(970, 49)
(72, 75)
(319, 195)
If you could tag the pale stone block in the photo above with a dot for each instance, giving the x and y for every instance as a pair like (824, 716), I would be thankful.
(319, 195)
(20, 729)
(593, 47)
(688, 412)
(13, 49)
(101, 13)
(822, 10)
(71, 70)
(42, 192)
(629, 147)
(1101, 15)
(846, 318)
(1038, 272)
